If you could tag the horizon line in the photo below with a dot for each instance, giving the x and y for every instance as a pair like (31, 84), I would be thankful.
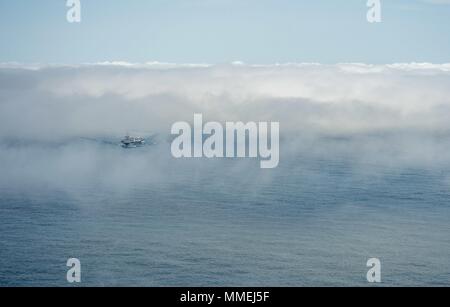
(152, 64)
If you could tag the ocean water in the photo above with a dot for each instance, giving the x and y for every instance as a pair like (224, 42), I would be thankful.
(140, 218)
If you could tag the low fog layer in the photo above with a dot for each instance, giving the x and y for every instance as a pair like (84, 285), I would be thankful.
(391, 115)
(46, 103)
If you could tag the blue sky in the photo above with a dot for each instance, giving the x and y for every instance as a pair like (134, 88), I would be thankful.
(220, 31)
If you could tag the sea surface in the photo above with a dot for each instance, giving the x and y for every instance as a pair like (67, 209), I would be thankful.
(138, 217)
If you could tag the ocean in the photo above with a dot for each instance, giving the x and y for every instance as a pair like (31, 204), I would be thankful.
(138, 217)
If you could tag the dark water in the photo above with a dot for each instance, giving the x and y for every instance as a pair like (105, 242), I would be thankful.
(140, 219)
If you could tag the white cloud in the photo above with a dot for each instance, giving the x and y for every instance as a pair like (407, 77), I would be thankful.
(370, 114)
(113, 97)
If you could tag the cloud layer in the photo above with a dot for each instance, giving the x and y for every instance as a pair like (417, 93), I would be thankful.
(391, 115)
(111, 98)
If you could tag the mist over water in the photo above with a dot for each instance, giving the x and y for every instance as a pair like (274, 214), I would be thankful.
(364, 172)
